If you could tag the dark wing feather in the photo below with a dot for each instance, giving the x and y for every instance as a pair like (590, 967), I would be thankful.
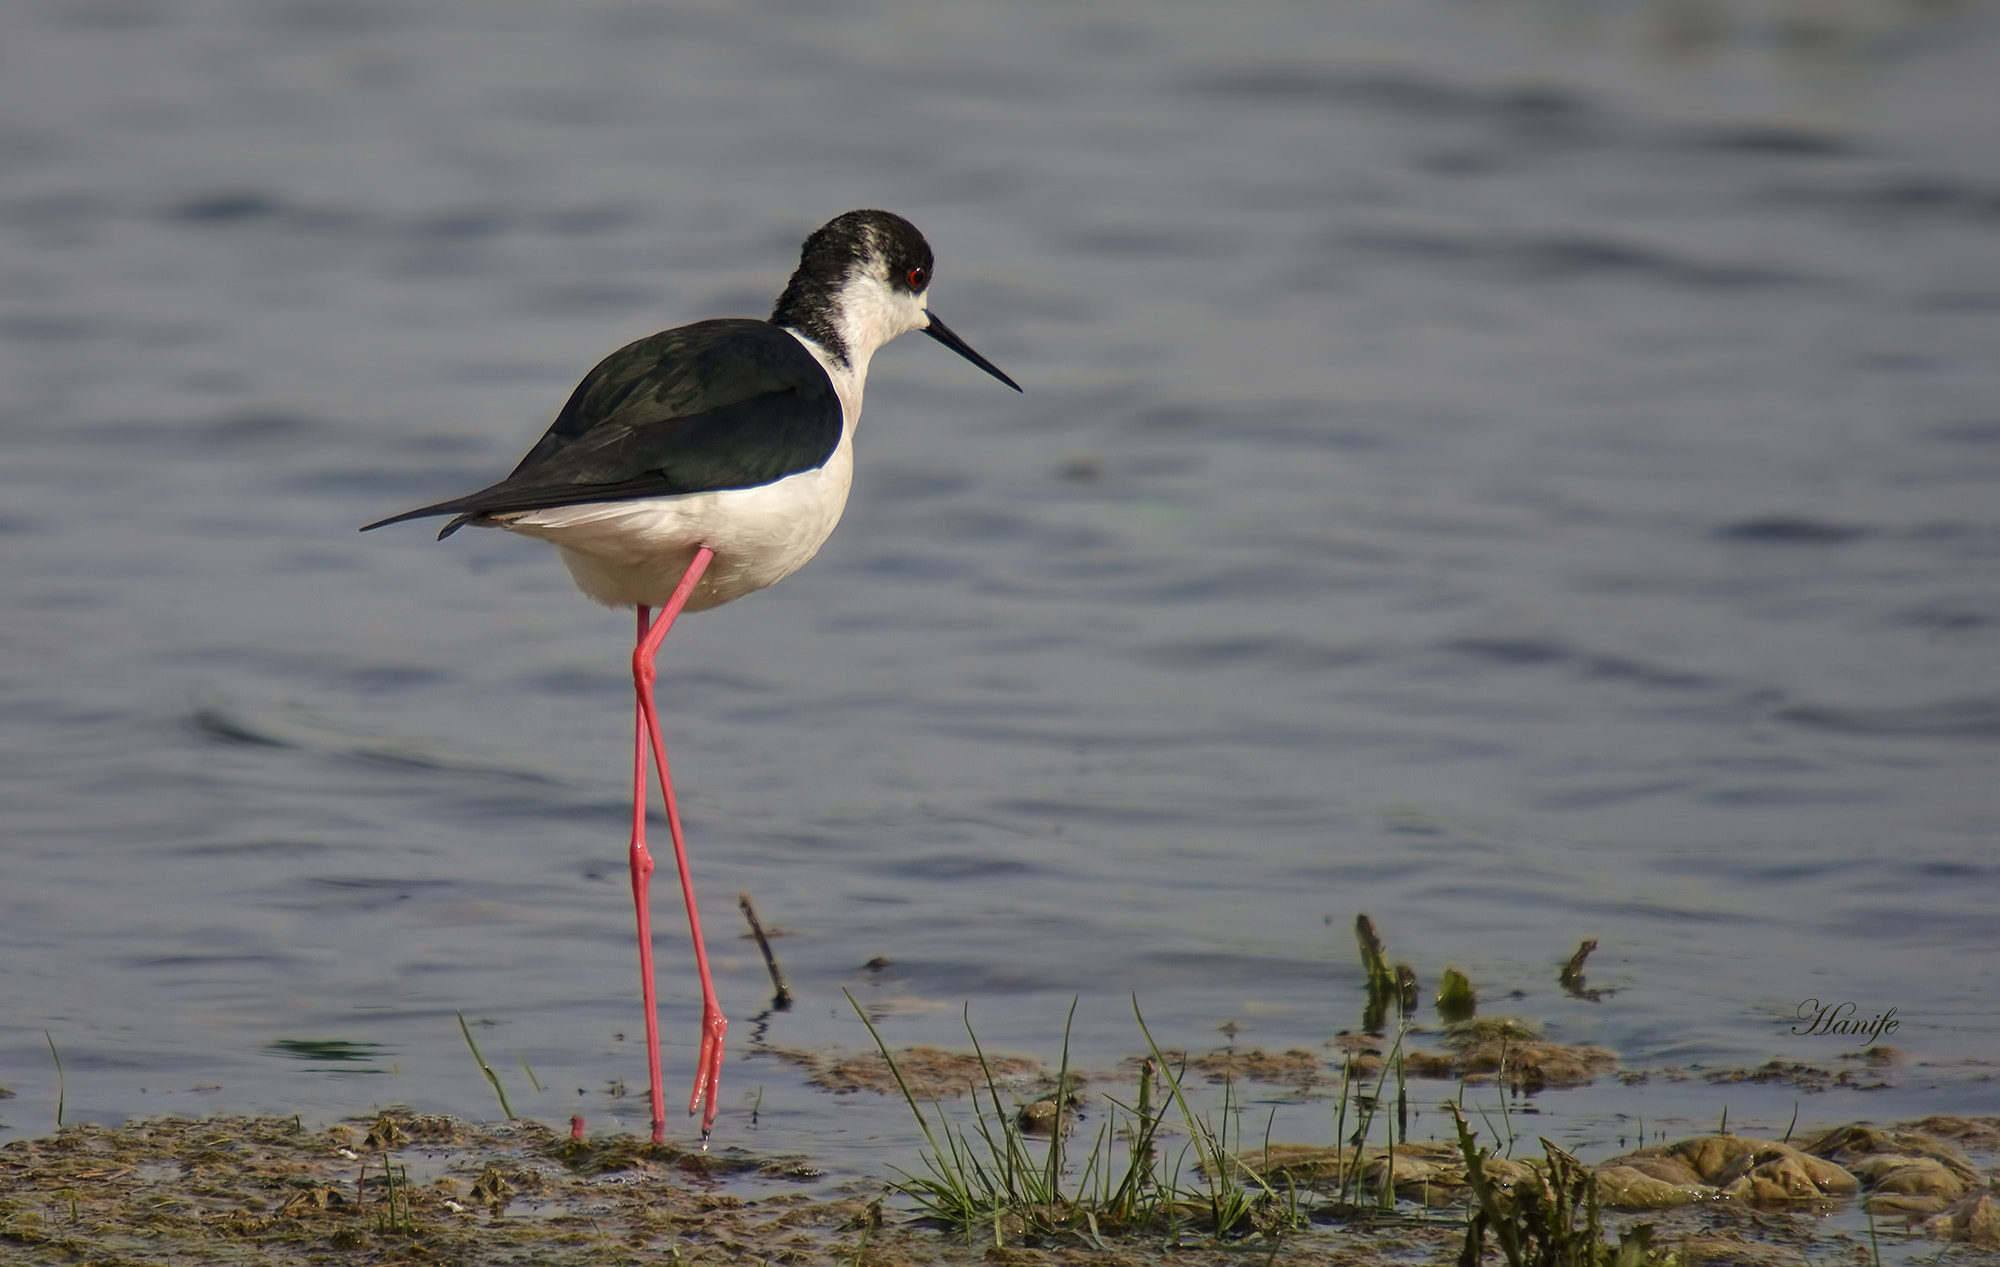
(721, 404)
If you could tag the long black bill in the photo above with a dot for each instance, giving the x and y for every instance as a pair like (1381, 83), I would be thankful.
(942, 333)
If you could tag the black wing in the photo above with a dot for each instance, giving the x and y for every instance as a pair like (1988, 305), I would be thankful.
(732, 403)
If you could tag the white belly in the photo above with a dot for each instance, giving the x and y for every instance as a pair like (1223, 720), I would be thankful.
(633, 553)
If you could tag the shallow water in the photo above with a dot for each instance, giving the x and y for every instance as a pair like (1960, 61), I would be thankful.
(1524, 477)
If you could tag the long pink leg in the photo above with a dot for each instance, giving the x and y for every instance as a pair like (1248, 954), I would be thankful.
(708, 1075)
(642, 875)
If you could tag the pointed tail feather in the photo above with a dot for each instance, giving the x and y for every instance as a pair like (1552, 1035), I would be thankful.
(466, 509)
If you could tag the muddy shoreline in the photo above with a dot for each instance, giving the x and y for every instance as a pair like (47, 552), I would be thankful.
(404, 1188)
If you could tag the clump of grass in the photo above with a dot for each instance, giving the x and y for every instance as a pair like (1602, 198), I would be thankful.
(1395, 1129)
(991, 1176)
(1233, 1206)
(1550, 1220)
(395, 1216)
(1386, 987)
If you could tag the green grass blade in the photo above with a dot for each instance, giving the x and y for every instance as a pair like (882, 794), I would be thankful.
(62, 1084)
(485, 1068)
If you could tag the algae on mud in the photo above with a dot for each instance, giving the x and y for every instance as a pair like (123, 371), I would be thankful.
(262, 1189)
(242, 1190)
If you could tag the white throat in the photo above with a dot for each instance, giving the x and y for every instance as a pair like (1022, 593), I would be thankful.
(868, 312)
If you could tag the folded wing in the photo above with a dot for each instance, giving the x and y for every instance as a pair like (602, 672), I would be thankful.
(721, 404)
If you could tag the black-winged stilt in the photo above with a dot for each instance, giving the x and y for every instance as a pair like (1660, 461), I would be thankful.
(702, 463)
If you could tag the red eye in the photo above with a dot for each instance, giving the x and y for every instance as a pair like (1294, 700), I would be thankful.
(919, 278)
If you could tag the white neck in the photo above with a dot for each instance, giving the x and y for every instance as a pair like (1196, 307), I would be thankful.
(847, 379)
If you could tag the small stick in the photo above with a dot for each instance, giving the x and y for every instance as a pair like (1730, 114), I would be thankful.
(783, 998)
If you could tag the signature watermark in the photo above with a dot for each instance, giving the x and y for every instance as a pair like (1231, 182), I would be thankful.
(1838, 1018)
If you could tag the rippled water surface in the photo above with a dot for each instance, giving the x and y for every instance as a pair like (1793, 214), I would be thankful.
(1526, 473)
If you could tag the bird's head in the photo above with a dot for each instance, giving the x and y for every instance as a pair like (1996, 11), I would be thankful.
(864, 278)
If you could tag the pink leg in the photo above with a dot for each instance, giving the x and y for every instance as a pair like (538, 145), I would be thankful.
(642, 875)
(708, 1075)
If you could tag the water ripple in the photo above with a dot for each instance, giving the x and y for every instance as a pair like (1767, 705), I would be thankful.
(1948, 719)
(1789, 530)
(219, 725)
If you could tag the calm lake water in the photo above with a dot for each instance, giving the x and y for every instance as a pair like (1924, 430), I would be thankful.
(1524, 470)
